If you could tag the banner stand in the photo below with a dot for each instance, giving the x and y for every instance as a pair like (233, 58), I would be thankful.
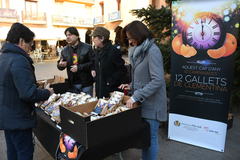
(204, 42)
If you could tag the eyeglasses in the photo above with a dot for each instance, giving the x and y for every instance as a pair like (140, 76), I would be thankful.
(31, 43)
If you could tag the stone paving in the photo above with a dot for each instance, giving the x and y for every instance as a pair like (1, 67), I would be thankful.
(169, 150)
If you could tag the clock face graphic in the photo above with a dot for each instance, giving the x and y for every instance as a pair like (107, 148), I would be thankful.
(204, 32)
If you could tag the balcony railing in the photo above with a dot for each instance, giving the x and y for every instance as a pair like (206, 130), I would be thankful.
(8, 15)
(87, 2)
(34, 18)
(98, 20)
(72, 21)
(114, 16)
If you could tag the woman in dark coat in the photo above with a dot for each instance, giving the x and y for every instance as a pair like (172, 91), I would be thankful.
(108, 70)
(18, 93)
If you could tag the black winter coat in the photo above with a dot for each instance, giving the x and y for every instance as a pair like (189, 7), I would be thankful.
(85, 54)
(18, 89)
(110, 70)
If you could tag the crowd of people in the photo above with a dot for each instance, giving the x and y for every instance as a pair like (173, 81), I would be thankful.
(101, 64)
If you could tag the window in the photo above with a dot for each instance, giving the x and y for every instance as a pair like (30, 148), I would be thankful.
(31, 8)
(4, 3)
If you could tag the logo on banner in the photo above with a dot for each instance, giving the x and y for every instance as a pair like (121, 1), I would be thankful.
(177, 123)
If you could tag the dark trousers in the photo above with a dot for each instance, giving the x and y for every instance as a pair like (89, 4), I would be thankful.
(19, 144)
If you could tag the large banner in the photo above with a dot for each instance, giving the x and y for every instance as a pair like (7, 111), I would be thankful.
(202, 60)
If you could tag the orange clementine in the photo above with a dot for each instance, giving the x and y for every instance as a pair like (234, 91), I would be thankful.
(217, 53)
(230, 44)
(74, 153)
(177, 43)
(191, 52)
(184, 49)
(62, 146)
(188, 51)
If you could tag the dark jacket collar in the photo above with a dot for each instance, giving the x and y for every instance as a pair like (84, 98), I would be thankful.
(105, 47)
(75, 47)
(12, 48)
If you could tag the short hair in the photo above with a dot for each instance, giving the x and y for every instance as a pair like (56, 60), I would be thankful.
(137, 30)
(72, 30)
(18, 31)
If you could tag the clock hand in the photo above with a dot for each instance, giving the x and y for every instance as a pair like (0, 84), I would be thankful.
(202, 33)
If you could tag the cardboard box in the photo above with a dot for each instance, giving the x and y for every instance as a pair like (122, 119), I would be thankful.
(55, 80)
(102, 131)
(59, 79)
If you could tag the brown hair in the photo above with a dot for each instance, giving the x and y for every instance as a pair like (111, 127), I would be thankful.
(137, 30)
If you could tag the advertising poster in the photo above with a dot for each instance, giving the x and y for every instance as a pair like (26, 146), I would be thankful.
(204, 42)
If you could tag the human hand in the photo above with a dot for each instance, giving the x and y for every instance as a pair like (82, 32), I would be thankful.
(74, 68)
(62, 63)
(124, 87)
(93, 73)
(130, 103)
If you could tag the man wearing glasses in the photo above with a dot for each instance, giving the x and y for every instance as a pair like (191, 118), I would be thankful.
(18, 93)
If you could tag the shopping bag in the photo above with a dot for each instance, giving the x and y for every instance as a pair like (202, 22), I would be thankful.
(68, 148)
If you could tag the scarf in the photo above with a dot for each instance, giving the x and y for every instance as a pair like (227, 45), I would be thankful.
(140, 50)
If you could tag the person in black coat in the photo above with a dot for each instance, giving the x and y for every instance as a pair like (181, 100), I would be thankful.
(108, 70)
(18, 93)
(76, 57)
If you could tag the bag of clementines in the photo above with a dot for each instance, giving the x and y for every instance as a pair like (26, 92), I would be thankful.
(68, 148)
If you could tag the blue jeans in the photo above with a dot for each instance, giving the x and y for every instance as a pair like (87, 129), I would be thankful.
(20, 144)
(151, 153)
(78, 88)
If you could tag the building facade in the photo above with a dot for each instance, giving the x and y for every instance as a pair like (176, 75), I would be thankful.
(49, 18)
(113, 13)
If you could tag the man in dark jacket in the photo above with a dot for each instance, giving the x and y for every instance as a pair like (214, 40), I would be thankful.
(77, 58)
(109, 70)
(18, 93)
